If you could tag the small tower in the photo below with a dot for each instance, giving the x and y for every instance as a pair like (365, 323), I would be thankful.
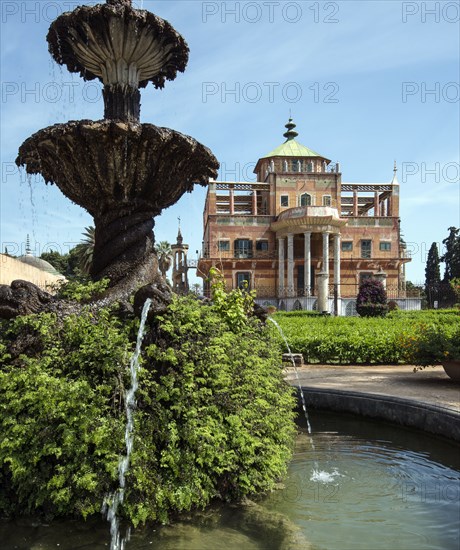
(180, 266)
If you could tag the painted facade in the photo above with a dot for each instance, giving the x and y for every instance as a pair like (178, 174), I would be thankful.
(299, 234)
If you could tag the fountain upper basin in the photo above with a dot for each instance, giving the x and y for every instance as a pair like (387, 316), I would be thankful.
(105, 164)
(118, 45)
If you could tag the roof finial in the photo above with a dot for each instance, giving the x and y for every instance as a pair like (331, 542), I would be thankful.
(180, 239)
(290, 134)
(395, 178)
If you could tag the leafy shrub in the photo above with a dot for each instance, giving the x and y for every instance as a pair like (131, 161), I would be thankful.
(82, 291)
(357, 340)
(214, 416)
(222, 421)
(372, 299)
(234, 307)
(431, 344)
(60, 420)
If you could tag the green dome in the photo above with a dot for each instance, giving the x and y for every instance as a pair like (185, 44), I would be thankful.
(291, 147)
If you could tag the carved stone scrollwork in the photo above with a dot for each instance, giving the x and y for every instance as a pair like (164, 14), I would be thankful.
(22, 298)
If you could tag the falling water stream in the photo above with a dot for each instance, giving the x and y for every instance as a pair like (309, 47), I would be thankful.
(317, 475)
(302, 396)
(114, 500)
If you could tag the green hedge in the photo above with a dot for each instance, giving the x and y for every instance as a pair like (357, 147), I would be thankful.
(356, 340)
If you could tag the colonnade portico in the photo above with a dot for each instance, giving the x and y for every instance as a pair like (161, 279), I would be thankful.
(307, 222)
(289, 288)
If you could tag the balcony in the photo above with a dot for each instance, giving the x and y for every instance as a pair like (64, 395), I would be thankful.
(239, 255)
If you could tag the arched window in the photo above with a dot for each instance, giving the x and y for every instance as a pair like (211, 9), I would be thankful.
(305, 199)
(310, 167)
(327, 200)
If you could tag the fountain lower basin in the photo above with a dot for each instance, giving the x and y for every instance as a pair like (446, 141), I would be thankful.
(380, 486)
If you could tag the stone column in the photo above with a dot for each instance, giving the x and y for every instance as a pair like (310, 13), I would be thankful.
(231, 201)
(281, 267)
(323, 291)
(254, 203)
(290, 267)
(355, 203)
(337, 263)
(376, 204)
(382, 277)
(307, 263)
(326, 253)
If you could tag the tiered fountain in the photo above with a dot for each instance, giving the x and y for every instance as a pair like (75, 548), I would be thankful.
(122, 172)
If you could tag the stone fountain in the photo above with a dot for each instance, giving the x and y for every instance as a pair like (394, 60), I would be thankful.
(123, 172)
(192, 448)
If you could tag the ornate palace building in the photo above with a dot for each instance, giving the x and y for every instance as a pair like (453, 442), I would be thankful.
(301, 237)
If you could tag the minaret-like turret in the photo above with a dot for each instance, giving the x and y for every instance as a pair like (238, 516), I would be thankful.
(28, 249)
(180, 265)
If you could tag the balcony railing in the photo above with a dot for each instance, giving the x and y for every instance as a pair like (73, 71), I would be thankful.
(346, 291)
(237, 255)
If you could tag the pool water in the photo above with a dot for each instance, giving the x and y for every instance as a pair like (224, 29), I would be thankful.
(353, 484)
(375, 486)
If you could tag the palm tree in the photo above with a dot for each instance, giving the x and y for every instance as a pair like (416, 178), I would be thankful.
(164, 255)
(84, 251)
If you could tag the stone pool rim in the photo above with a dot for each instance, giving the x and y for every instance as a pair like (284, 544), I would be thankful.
(435, 419)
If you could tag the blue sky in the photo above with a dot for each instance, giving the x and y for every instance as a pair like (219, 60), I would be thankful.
(367, 82)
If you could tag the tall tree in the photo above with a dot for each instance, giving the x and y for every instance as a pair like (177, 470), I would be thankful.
(85, 250)
(60, 262)
(164, 255)
(432, 275)
(451, 257)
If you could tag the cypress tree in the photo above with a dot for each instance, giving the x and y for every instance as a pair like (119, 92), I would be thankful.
(451, 257)
(432, 275)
